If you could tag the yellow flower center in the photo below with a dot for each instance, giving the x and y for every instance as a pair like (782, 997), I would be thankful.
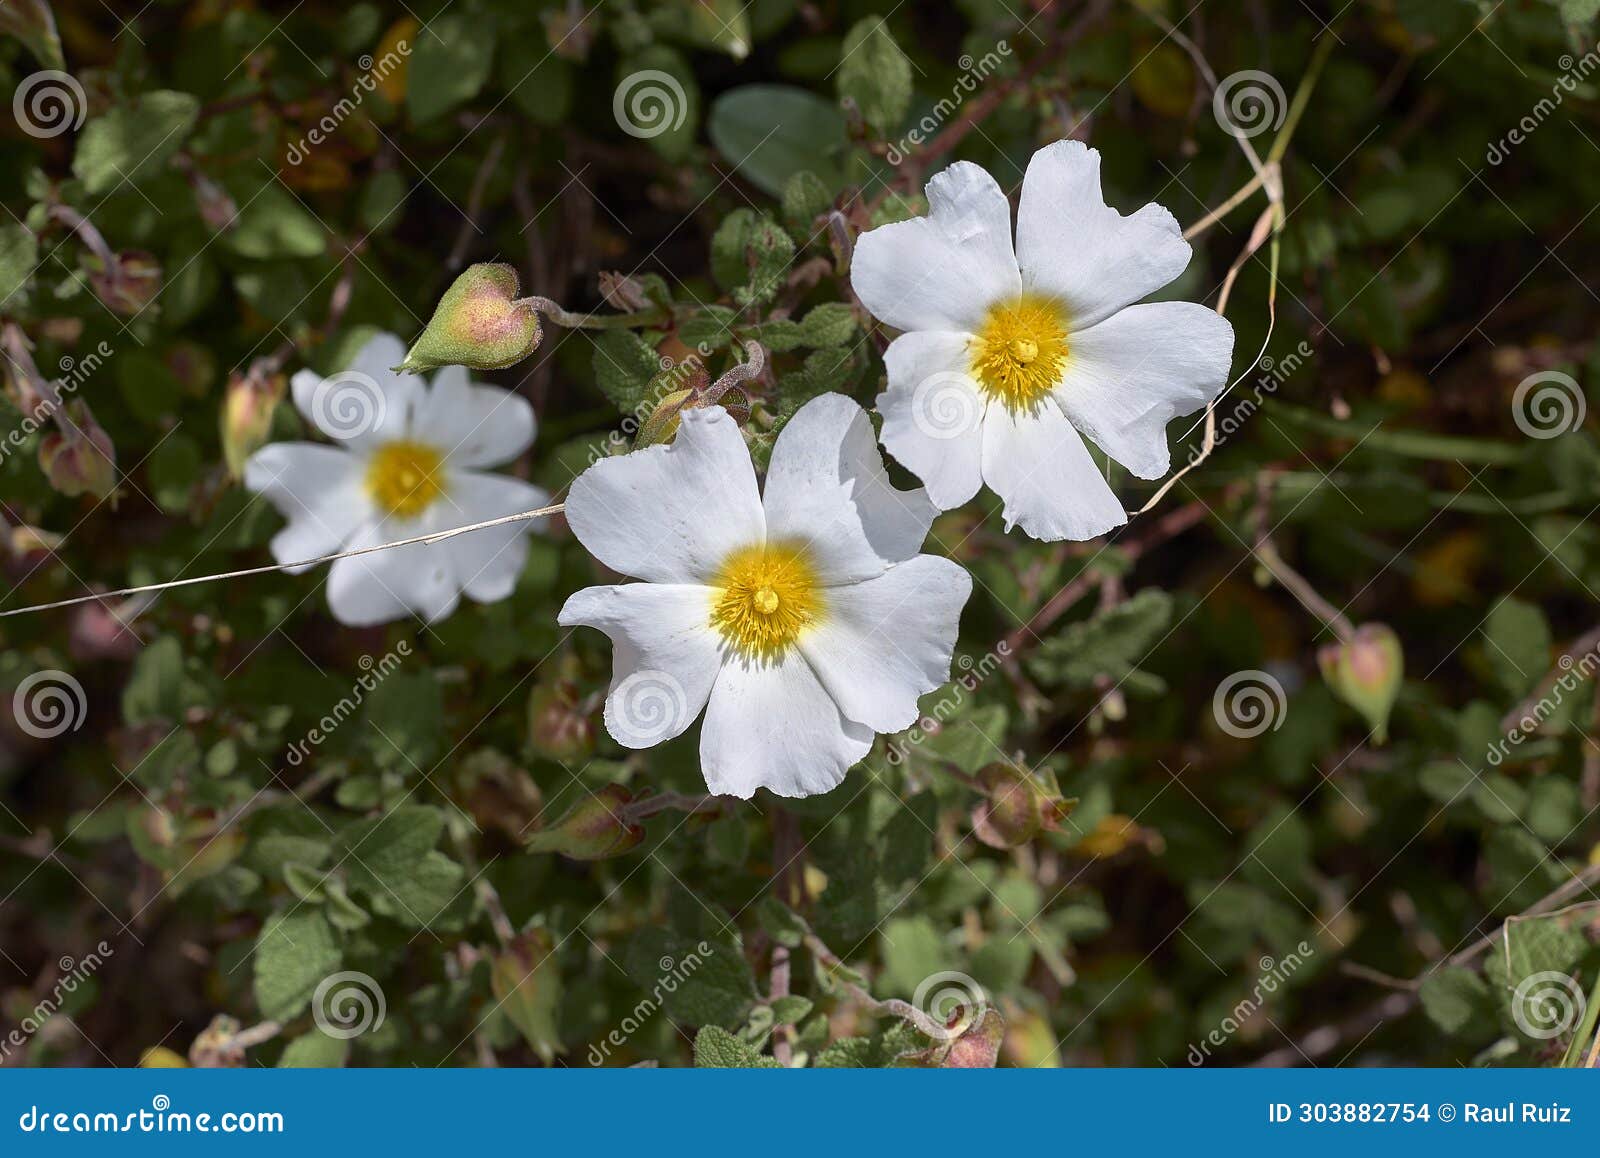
(764, 597)
(1020, 351)
(404, 478)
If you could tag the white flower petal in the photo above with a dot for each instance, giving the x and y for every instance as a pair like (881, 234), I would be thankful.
(1138, 370)
(933, 414)
(317, 488)
(942, 271)
(385, 585)
(1038, 464)
(671, 514)
(665, 655)
(827, 487)
(883, 643)
(473, 423)
(365, 403)
(772, 725)
(486, 563)
(1074, 247)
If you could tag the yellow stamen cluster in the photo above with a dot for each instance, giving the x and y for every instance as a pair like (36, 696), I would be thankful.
(1020, 352)
(764, 597)
(404, 478)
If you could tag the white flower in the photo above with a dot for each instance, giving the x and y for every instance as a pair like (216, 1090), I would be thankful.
(403, 466)
(1007, 356)
(805, 615)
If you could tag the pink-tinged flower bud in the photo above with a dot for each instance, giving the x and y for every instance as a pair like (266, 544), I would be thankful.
(478, 324)
(558, 728)
(1366, 673)
(594, 828)
(970, 1041)
(247, 417)
(527, 986)
(1017, 805)
(80, 459)
(128, 284)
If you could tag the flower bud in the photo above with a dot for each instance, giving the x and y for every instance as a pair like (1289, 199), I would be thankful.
(128, 284)
(1366, 673)
(1017, 805)
(478, 324)
(527, 986)
(595, 828)
(247, 417)
(80, 459)
(971, 1040)
(497, 792)
(557, 728)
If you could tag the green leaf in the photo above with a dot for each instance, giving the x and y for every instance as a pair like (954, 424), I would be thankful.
(293, 954)
(133, 140)
(750, 254)
(716, 1048)
(19, 253)
(875, 74)
(805, 198)
(33, 23)
(154, 691)
(273, 224)
(829, 324)
(657, 100)
(383, 853)
(449, 66)
(705, 982)
(315, 1051)
(1517, 643)
(624, 364)
(771, 132)
(1109, 644)
(913, 951)
(1456, 999)
(405, 713)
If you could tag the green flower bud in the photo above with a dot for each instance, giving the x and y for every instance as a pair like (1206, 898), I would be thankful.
(1017, 806)
(478, 324)
(527, 985)
(1366, 673)
(595, 828)
(247, 417)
